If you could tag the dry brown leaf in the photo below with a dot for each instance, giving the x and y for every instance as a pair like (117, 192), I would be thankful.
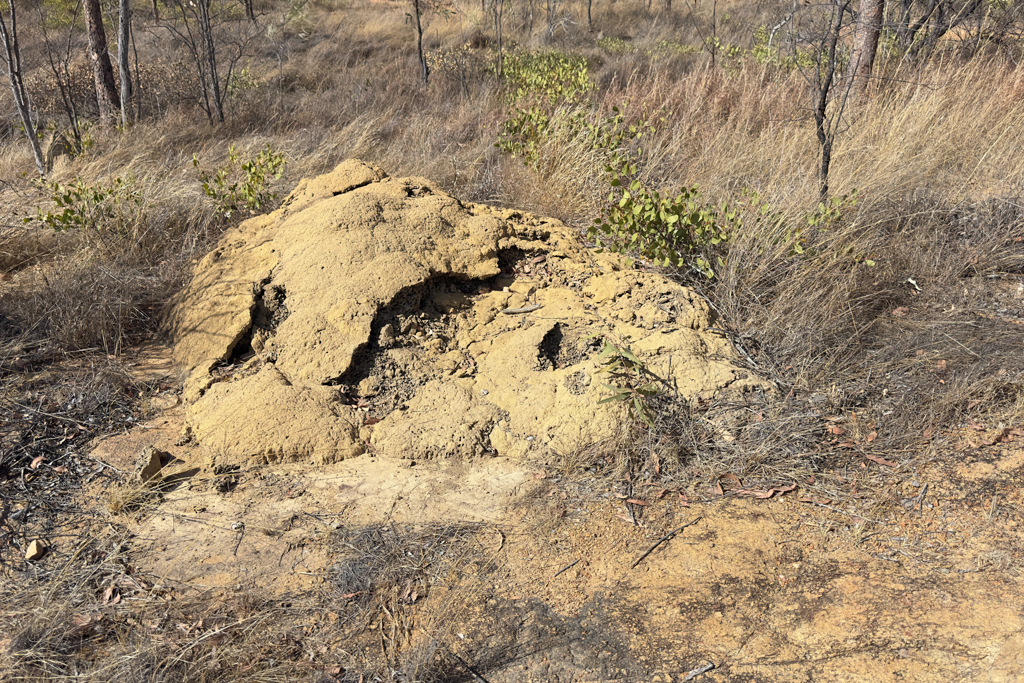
(900, 312)
(36, 461)
(871, 437)
(879, 460)
(634, 501)
(761, 495)
(836, 430)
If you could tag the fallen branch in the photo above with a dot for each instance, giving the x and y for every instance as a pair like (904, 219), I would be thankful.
(661, 540)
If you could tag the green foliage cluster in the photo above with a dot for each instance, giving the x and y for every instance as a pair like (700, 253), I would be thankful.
(105, 214)
(242, 81)
(680, 228)
(672, 229)
(541, 83)
(616, 46)
(672, 47)
(765, 54)
(549, 77)
(634, 383)
(242, 187)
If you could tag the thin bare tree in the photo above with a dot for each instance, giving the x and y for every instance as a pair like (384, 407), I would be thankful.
(124, 27)
(418, 8)
(12, 60)
(827, 89)
(58, 58)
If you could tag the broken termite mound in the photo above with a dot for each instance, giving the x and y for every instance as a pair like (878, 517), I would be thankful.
(380, 314)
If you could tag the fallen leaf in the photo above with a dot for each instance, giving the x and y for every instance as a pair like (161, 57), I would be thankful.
(683, 500)
(816, 501)
(761, 495)
(975, 426)
(836, 430)
(900, 312)
(543, 474)
(634, 501)
(846, 444)
(61, 470)
(928, 433)
(36, 461)
(879, 460)
(940, 366)
(731, 477)
(348, 596)
(371, 421)
(871, 437)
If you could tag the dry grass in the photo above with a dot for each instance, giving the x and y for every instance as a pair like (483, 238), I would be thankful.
(386, 613)
(896, 354)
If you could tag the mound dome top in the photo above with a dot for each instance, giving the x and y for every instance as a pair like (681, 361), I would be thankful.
(381, 314)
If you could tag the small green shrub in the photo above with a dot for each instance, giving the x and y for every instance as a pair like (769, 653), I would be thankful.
(616, 46)
(765, 54)
(105, 214)
(634, 383)
(243, 187)
(672, 47)
(551, 77)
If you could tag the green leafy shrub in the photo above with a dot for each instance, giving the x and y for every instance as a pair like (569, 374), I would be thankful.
(672, 47)
(107, 215)
(239, 187)
(771, 54)
(634, 383)
(616, 46)
(551, 77)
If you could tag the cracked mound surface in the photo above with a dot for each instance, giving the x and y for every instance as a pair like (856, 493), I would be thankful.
(376, 313)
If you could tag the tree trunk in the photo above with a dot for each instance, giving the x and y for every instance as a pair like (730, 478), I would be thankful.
(498, 7)
(103, 71)
(124, 23)
(419, 41)
(206, 29)
(12, 58)
(869, 27)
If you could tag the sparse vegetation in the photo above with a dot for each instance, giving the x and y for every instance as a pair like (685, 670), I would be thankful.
(888, 298)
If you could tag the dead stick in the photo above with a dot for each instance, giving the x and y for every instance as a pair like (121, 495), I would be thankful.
(698, 671)
(662, 540)
(565, 569)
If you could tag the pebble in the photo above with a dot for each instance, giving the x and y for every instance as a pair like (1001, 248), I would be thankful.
(35, 551)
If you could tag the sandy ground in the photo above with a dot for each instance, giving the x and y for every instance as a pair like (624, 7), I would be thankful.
(776, 590)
